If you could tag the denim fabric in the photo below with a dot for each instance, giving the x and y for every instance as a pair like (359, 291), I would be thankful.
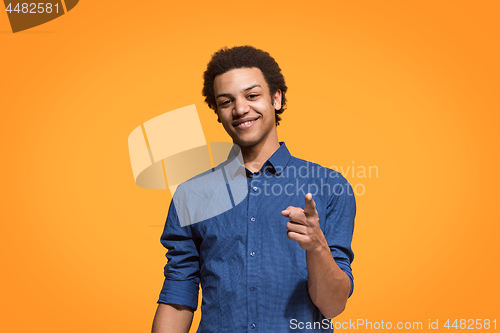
(253, 278)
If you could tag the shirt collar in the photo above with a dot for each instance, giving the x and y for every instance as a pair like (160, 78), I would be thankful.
(275, 164)
(279, 159)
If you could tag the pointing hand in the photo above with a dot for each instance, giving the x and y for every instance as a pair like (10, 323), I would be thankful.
(303, 226)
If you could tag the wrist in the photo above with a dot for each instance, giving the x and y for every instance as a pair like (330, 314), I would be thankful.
(319, 250)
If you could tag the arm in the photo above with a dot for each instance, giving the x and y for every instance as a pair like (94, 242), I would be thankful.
(172, 318)
(329, 286)
(179, 295)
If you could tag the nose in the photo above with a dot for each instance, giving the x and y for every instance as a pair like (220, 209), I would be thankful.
(241, 107)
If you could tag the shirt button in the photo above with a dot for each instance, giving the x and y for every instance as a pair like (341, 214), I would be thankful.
(252, 219)
(252, 288)
(252, 253)
(252, 325)
(255, 189)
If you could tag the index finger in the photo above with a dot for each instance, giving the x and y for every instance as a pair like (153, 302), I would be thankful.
(310, 205)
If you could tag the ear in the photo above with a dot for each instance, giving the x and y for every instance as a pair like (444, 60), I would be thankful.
(277, 100)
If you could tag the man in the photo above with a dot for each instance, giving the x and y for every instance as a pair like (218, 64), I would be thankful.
(279, 259)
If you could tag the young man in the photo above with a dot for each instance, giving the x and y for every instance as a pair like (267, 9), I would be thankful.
(279, 259)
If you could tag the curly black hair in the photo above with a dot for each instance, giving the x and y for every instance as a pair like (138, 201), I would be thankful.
(227, 59)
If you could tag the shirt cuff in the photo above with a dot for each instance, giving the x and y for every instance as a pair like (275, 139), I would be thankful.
(180, 293)
(346, 269)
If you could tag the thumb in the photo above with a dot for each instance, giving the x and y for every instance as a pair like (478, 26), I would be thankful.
(310, 205)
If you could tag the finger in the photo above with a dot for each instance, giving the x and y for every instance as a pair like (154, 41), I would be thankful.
(290, 209)
(310, 209)
(297, 216)
(296, 227)
(297, 237)
(285, 213)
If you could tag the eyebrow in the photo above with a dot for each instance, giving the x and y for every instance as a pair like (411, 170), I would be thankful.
(246, 89)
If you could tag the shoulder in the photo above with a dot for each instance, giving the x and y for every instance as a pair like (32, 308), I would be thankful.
(203, 196)
(201, 181)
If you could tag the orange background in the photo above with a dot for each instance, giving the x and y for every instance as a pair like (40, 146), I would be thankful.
(409, 87)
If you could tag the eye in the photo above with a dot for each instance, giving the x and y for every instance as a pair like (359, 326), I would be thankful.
(253, 96)
(224, 103)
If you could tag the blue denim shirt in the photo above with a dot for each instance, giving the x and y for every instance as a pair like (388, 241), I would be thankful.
(253, 278)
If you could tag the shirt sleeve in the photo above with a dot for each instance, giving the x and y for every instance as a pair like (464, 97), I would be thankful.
(182, 272)
(339, 227)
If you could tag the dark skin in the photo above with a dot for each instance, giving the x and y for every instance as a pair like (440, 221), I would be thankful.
(243, 95)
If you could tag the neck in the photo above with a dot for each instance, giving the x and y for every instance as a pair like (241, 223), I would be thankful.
(255, 156)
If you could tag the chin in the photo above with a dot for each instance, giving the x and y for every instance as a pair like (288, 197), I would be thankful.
(245, 143)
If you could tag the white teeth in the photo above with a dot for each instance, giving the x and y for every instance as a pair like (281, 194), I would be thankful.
(245, 123)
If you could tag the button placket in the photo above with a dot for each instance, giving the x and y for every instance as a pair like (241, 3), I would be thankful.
(252, 248)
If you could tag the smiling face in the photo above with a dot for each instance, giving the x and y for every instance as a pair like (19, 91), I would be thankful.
(245, 107)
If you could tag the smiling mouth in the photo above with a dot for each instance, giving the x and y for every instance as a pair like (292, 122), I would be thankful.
(246, 124)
